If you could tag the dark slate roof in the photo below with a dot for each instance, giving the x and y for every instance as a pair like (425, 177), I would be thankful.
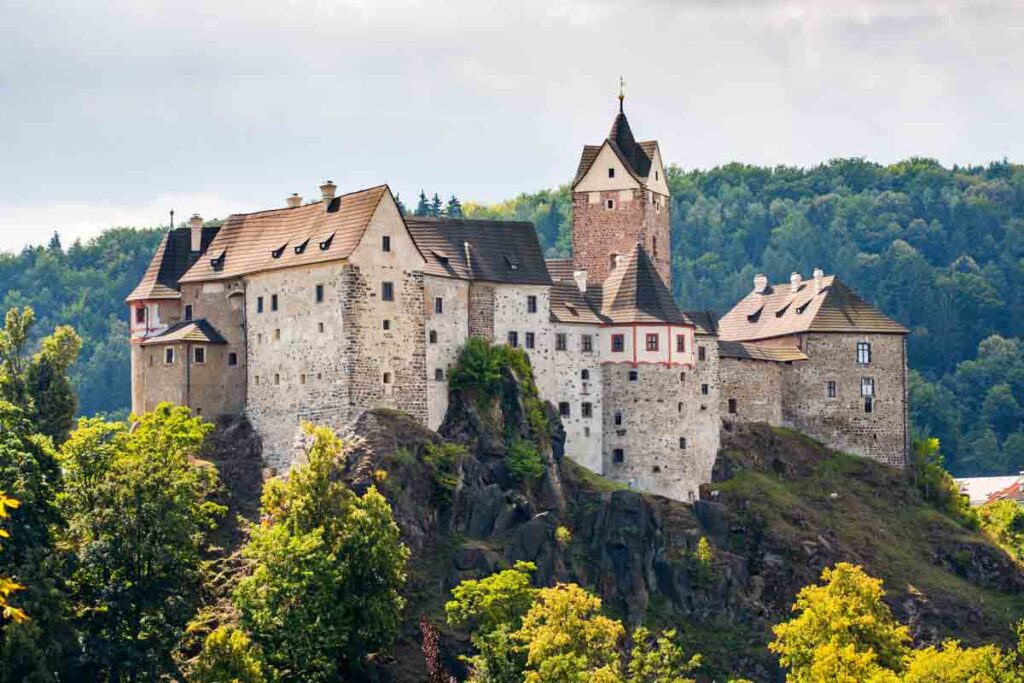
(752, 351)
(560, 268)
(196, 331)
(636, 156)
(704, 321)
(780, 312)
(634, 292)
(303, 235)
(495, 251)
(173, 257)
(570, 305)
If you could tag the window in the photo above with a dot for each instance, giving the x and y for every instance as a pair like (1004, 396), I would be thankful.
(633, 375)
(199, 354)
(438, 305)
(585, 374)
(529, 340)
(732, 406)
(587, 343)
(613, 261)
(140, 314)
(232, 360)
(259, 304)
(680, 343)
(586, 431)
(656, 468)
(655, 175)
(320, 328)
(609, 204)
(611, 172)
(652, 342)
(679, 407)
(169, 355)
(273, 302)
(302, 378)
(387, 291)
(863, 353)
(561, 341)
(386, 324)
(439, 375)
(563, 408)
(432, 336)
(387, 378)
(385, 243)
(704, 389)
(617, 417)
(867, 386)
(618, 343)
(830, 389)
(682, 376)
(587, 409)
(618, 456)
(277, 334)
(869, 404)
(513, 339)
(259, 337)
(319, 294)
(531, 304)
(702, 353)
(682, 443)
(277, 378)
(654, 245)
(257, 380)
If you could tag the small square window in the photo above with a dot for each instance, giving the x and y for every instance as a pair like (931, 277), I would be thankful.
(386, 324)
(232, 360)
(529, 340)
(704, 389)
(587, 343)
(680, 343)
(387, 378)
(277, 378)
(387, 291)
(652, 342)
(563, 408)
(618, 456)
(438, 305)
(531, 304)
(169, 355)
(188, 312)
(633, 375)
(830, 389)
(259, 304)
(273, 302)
(277, 334)
(702, 353)
(732, 406)
(385, 243)
(432, 336)
(561, 341)
(439, 375)
(199, 354)
(319, 294)
(682, 443)
(611, 172)
(617, 417)
(682, 376)
(513, 339)
(618, 343)
(585, 374)
(609, 204)
(587, 409)
(140, 314)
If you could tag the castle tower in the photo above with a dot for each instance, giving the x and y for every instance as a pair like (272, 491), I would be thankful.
(620, 198)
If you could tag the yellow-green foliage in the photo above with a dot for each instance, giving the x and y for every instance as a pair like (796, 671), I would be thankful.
(228, 656)
(953, 663)
(937, 485)
(563, 536)
(1003, 520)
(442, 461)
(7, 586)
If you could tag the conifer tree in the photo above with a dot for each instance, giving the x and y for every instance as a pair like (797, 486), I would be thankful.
(454, 208)
(423, 206)
(435, 206)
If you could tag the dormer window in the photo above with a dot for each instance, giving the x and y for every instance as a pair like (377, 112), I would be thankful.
(611, 172)
(326, 244)
(276, 253)
(512, 264)
(218, 262)
(755, 316)
(299, 248)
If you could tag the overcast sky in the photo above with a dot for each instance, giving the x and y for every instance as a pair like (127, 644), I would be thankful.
(112, 112)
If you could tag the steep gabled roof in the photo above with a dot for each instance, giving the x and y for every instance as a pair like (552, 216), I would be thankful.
(495, 251)
(193, 331)
(282, 238)
(704, 321)
(635, 293)
(173, 257)
(570, 305)
(780, 312)
(635, 156)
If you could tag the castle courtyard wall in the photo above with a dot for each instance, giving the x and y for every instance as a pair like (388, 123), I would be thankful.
(756, 388)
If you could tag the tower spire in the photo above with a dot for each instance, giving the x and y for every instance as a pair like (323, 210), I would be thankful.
(622, 92)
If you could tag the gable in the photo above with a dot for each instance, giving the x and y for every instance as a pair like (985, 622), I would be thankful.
(387, 221)
(656, 178)
(596, 179)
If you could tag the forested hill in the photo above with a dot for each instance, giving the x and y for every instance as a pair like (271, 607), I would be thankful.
(941, 250)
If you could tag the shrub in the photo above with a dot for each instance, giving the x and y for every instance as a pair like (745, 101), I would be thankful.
(563, 536)
(523, 459)
(442, 461)
(937, 486)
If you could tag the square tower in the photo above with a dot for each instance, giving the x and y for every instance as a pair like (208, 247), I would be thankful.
(620, 198)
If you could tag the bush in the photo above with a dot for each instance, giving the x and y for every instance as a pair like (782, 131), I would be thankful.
(936, 485)
(523, 460)
(228, 656)
(442, 461)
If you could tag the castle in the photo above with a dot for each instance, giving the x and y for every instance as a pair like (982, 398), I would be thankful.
(322, 310)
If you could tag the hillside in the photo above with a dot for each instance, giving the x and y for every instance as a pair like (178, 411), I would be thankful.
(772, 524)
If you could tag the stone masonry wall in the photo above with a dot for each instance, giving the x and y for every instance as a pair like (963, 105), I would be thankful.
(756, 386)
(842, 422)
(451, 330)
(481, 309)
(638, 216)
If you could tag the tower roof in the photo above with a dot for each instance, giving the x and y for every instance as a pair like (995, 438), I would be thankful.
(636, 156)
(635, 293)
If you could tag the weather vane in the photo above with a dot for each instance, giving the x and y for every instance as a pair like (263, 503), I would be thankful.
(622, 91)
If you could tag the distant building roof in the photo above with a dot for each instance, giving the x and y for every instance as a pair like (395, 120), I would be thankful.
(195, 331)
(1012, 492)
(752, 351)
(779, 312)
(173, 257)
(560, 268)
(979, 489)
(282, 238)
(495, 251)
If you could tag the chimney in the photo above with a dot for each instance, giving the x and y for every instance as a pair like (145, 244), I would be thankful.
(794, 281)
(580, 276)
(295, 201)
(327, 190)
(760, 283)
(195, 224)
(819, 280)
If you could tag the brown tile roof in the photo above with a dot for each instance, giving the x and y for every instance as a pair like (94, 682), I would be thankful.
(495, 251)
(751, 351)
(173, 257)
(197, 331)
(781, 312)
(634, 293)
(586, 161)
(560, 268)
(570, 305)
(247, 243)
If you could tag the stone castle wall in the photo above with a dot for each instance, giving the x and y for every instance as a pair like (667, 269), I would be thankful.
(638, 216)
(481, 309)
(756, 388)
(450, 330)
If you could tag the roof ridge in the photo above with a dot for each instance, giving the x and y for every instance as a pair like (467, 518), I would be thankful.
(305, 206)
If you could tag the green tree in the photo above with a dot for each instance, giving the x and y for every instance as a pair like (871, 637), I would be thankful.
(453, 209)
(952, 663)
(228, 656)
(436, 205)
(659, 659)
(422, 205)
(327, 568)
(842, 631)
(53, 398)
(138, 517)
